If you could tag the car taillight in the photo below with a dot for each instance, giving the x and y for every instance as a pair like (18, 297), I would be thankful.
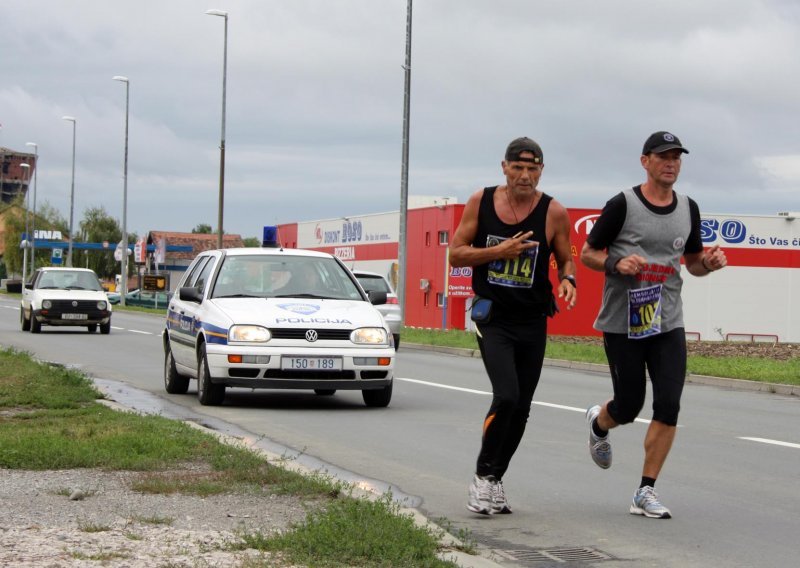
(390, 300)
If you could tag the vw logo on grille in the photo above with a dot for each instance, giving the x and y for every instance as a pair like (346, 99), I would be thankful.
(311, 335)
(74, 304)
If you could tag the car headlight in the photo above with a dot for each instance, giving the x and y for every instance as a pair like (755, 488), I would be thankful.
(101, 305)
(47, 304)
(370, 335)
(254, 333)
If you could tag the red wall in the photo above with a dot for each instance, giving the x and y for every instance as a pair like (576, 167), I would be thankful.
(426, 260)
(579, 320)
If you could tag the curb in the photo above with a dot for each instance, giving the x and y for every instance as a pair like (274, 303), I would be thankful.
(450, 545)
(733, 384)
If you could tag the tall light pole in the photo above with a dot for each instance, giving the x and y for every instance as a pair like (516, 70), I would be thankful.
(124, 271)
(72, 190)
(26, 173)
(401, 280)
(222, 139)
(32, 236)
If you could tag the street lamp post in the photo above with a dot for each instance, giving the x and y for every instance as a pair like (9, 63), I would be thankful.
(222, 139)
(32, 236)
(124, 271)
(401, 281)
(26, 177)
(72, 190)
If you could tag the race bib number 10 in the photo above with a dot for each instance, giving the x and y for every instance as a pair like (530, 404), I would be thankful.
(515, 272)
(644, 312)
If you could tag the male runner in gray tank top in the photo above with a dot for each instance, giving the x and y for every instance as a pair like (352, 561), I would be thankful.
(638, 241)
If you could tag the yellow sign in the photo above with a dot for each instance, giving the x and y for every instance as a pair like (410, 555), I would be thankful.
(155, 282)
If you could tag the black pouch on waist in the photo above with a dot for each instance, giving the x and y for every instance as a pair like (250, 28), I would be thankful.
(481, 311)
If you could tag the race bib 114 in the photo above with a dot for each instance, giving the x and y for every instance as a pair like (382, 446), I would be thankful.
(516, 272)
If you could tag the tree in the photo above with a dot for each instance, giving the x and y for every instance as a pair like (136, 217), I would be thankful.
(47, 218)
(98, 226)
(203, 229)
(14, 227)
(251, 242)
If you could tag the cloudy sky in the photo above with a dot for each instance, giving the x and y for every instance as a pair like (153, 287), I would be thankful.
(315, 101)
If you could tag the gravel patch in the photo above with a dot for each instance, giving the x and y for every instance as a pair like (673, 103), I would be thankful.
(89, 517)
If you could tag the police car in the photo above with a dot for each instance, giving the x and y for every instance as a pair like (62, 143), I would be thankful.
(276, 318)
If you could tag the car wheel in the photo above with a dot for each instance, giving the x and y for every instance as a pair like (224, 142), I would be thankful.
(105, 328)
(36, 326)
(325, 392)
(174, 382)
(396, 341)
(25, 323)
(208, 393)
(92, 327)
(378, 398)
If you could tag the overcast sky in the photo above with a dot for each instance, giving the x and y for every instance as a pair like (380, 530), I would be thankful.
(315, 102)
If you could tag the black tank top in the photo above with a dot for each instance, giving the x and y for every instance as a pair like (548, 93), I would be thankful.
(520, 289)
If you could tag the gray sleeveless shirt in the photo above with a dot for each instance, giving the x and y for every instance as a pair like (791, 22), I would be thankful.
(660, 239)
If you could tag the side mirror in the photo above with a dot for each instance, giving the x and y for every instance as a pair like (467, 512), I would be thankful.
(190, 294)
(376, 298)
(29, 285)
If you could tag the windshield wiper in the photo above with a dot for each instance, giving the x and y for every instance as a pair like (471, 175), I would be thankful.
(237, 296)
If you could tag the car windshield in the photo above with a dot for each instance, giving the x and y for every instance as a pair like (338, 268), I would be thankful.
(372, 283)
(284, 276)
(69, 280)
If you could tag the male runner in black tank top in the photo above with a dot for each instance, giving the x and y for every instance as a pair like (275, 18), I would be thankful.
(508, 234)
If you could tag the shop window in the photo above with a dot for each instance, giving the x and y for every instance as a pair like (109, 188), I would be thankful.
(439, 300)
(443, 235)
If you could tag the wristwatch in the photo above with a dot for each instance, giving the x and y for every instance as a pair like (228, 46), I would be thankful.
(571, 279)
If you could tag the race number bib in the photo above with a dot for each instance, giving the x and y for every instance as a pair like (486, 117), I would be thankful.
(516, 272)
(644, 312)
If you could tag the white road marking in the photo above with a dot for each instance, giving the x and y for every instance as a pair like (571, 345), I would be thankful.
(441, 386)
(773, 442)
(473, 391)
(142, 332)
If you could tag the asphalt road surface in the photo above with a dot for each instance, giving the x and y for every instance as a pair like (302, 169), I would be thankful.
(732, 480)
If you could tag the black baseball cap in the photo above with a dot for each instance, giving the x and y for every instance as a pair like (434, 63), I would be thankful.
(524, 144)
(662, 141)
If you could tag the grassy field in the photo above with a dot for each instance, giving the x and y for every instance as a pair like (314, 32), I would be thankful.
(49, 420)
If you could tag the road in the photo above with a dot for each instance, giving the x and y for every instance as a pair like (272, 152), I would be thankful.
(731, 480)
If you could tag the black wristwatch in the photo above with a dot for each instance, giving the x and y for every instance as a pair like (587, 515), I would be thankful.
(571, 279)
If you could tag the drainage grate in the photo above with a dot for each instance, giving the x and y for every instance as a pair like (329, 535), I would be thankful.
(553, 555)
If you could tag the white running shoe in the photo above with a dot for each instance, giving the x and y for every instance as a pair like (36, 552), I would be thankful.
(599, 448)
(645, 502)
(500, 504)
(481, 495)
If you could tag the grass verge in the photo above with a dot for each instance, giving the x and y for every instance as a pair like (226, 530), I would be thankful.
(49, 420)
(763, 369)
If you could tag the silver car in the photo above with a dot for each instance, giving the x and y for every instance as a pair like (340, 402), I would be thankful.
(372, 282)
